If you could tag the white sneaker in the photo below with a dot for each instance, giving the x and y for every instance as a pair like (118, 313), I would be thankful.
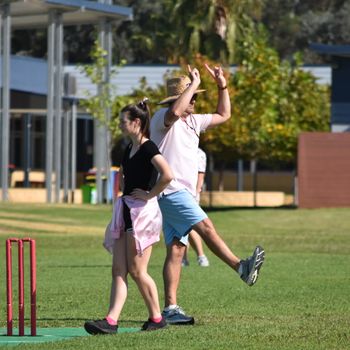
(203, 261)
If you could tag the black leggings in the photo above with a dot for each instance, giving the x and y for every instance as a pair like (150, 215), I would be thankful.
(127, 217)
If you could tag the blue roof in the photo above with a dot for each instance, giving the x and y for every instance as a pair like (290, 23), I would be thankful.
(93, 6)
(333, 50)
(35, 13)
(28, 74)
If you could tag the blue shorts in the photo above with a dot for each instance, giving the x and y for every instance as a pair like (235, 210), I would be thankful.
(180, 212)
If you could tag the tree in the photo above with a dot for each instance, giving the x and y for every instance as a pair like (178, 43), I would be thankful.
(211, 27)
(149, 37)
(293, 25)
(274, 101)
(164, 30)
(97, 104)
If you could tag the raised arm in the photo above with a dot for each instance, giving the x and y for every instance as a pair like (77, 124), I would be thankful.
(176, 109)
(223, 109)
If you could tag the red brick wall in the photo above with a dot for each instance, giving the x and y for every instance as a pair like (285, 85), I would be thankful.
(323, 170)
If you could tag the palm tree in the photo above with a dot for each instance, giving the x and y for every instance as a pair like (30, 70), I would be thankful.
(211, 27)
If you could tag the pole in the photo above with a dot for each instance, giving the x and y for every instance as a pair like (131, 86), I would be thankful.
(108, 48)
(65, 162)
(20, 289)
(99, 130)
(58, 104)
(50, 105)
(33, 287)
(74, 149)
(240, 175)
(5, 120)
(9, 287)
(253, 169)
(27, 148)
(32, 247)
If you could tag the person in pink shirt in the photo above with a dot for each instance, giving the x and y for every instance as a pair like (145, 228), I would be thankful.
(175, 129)
(136, 221)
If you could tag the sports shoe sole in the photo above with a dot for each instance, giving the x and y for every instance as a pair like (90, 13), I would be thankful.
(92, 329)
(180, 323)
(259, 257)
(153, 328)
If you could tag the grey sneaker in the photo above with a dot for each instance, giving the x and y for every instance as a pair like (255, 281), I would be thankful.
(249, 268)
(177, 316)
(203, 261)
(185, 263)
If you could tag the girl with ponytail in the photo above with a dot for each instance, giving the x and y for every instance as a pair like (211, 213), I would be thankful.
(136, 222)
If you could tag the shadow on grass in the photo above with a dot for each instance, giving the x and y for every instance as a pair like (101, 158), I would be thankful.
(78, 266)
(45, 319)
(215, 209)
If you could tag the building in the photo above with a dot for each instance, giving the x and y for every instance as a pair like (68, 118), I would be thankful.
(340, 98)
(53, 15)
(324, 158)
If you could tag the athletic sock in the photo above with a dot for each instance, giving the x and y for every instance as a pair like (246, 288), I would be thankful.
(170, 307)
(111, 321)
(156, 319)
(240, 268)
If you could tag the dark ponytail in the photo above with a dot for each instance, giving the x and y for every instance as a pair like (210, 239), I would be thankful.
(141, 111)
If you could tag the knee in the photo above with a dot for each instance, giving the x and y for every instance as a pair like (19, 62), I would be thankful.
(135, 273)
(176, 251)
(205, 228)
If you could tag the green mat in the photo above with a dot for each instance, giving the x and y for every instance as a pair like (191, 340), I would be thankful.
(49, 334)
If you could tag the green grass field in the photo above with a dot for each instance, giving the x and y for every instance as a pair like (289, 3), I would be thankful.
(301, 301)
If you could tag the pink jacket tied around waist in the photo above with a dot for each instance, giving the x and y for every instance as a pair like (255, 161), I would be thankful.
(146, 222)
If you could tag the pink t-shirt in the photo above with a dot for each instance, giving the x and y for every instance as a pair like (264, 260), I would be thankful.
(179, 146)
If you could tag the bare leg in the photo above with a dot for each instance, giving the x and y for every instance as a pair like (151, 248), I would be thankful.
(196, 242)
(172, 271)
(137, 267)
(186, 253)
(119, 289)
(207, 231)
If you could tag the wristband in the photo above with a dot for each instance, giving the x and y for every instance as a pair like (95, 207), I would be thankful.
(222, 88)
